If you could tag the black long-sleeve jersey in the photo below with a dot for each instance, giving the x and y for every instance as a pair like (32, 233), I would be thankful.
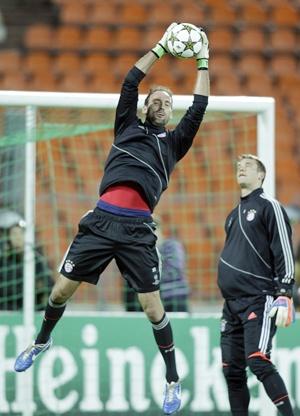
(257, 257)
(143, 153)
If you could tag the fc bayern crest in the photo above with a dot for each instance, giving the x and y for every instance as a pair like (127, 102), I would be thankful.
(69, 266)
(250, 215)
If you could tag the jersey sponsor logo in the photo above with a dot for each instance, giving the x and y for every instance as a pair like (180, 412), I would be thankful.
(69, 266)
(251, 215)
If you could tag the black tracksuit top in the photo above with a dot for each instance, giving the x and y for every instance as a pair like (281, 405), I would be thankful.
(257, 257)
(143, 153)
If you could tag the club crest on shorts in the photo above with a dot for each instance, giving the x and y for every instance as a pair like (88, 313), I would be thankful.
(251, 215)
(155, 276)
(223, 325)
(69, 266)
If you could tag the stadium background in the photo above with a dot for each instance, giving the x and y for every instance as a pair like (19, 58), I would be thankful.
(87, 46)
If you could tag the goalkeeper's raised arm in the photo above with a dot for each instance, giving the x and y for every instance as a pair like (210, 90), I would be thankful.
(202, 86)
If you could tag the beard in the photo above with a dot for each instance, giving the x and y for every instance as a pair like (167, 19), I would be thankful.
(152, 118)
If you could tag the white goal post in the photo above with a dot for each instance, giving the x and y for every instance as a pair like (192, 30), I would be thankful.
(262, 107)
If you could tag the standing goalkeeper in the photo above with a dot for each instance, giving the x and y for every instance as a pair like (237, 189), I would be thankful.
(256, 276)
(121, 227)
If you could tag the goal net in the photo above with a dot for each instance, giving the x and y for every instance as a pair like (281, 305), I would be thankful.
(53, 148)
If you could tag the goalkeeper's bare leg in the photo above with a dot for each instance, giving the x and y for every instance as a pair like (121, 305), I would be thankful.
(61, 292)
(153, 308)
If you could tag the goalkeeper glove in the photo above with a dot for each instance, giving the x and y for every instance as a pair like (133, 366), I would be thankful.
(203, 55)
(160, 49)
(283, 308)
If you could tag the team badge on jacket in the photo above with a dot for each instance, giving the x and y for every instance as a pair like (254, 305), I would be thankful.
(250, 215)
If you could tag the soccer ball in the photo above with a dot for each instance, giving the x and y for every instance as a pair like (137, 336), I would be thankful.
(184, 40)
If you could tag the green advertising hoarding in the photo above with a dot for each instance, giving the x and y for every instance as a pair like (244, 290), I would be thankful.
(109, 365)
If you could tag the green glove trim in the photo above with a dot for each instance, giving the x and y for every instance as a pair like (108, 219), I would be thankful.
(159, 50)
(202, 63)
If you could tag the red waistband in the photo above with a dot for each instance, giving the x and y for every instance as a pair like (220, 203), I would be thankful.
(124, 196)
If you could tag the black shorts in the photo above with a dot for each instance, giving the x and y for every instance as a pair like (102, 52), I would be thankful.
(101, 237)
(246, 329)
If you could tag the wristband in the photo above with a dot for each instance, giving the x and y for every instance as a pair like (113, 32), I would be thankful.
(202, 63)
(159, 51)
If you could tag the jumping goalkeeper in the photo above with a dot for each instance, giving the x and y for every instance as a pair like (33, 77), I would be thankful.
(256, 277)
(136, 173)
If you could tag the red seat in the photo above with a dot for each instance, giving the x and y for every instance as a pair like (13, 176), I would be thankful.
(133, 13)
(67, 38)
(222, 39)
(73, 82)
(259, 84)
(103, 82)
(250, 63)
(42, 81)
(10, 60)
(184, 68)
(285, 14)
(102, 12)
(253, 13)
(74, 12)
(128, 39)
(39, 36)
(274, 3)
(123, 62)
(95, 63)
(14, 81)
(283, 65)
(251, 40)
(162, 14)
(283, 40)
(288, 85)
(37, 61)
(152, 35)
(228, 84)
(222, 13)
(98, 39)
(192, 12)
(222, 63)
(66, 62)
(167, 79)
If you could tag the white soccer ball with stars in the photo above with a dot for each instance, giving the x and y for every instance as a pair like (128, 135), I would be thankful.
(184, 40)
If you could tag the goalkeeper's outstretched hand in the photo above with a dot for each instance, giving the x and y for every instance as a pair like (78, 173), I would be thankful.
(160, 49)
(283, 308)
(202, 56)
